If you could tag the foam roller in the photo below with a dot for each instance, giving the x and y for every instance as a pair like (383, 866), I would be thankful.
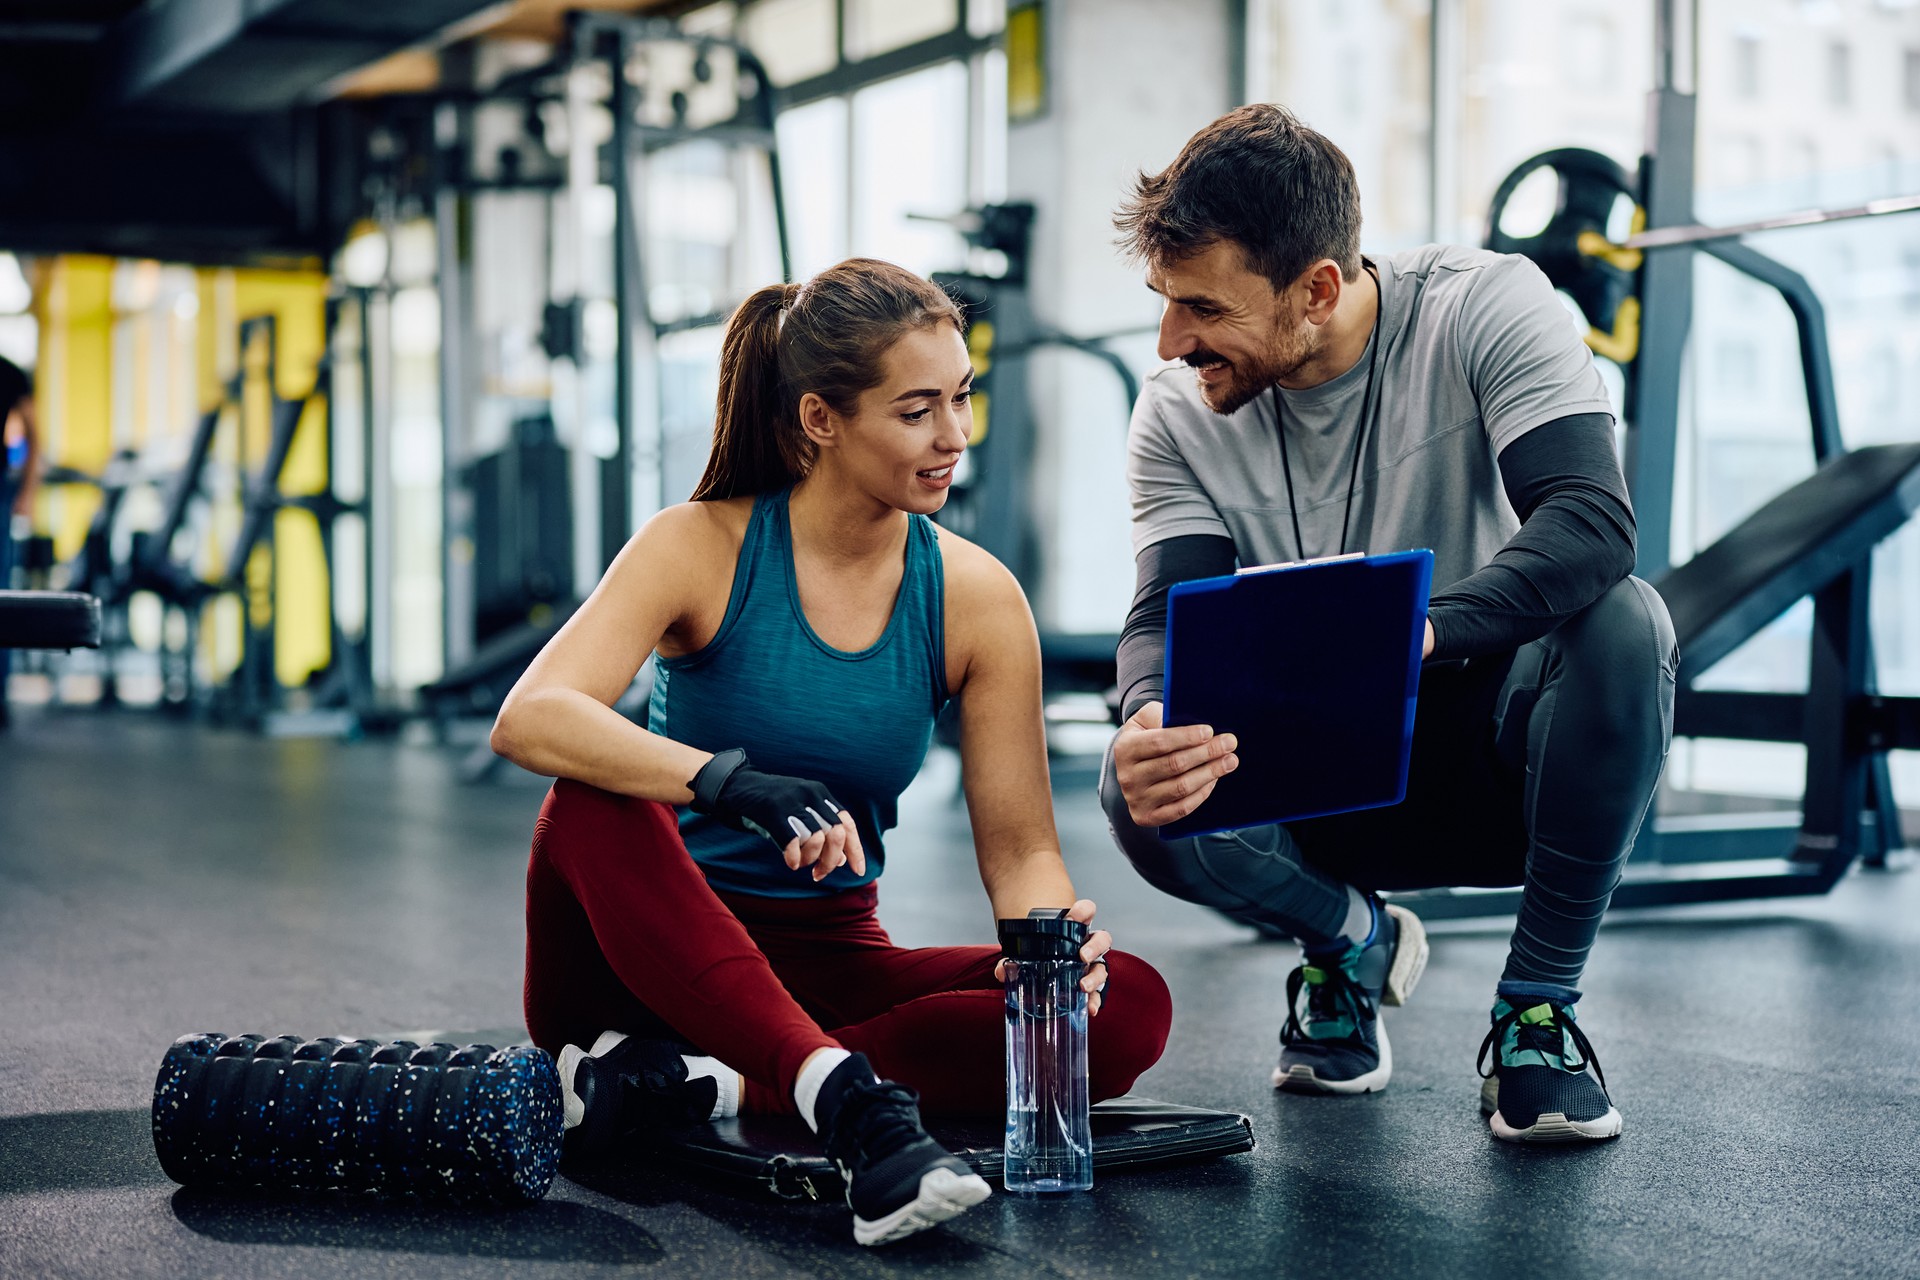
(467, 1124)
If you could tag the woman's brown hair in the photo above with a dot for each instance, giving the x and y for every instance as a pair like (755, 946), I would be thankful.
(826, 336)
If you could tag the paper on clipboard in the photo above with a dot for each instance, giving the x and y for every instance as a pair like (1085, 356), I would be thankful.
(1315, 666)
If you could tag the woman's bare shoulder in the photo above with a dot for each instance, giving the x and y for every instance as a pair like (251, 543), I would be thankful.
(976, 581)
(697, 529)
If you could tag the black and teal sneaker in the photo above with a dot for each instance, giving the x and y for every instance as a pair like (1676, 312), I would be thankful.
(1333, 1040)
(1545, 1084)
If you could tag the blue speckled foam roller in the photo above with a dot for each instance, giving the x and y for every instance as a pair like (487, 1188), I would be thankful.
(472, 1125)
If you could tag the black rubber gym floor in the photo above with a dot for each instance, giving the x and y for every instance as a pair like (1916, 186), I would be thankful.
(157, 879)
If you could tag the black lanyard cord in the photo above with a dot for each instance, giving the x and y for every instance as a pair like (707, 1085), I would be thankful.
(1359, 444)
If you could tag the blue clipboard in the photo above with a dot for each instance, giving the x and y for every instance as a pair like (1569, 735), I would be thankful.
(1315, 666)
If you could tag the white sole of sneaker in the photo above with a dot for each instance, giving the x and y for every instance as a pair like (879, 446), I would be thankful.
(1300, 1077)
(943, 1194)
(1549, 1126)
(1409, 957)
(572, 1110)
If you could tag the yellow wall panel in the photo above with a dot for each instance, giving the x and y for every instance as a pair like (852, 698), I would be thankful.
(76, 337)
(300, 603)
(82, 386)
(303, 630)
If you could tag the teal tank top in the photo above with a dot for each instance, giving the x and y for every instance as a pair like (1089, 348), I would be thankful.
(860, 723)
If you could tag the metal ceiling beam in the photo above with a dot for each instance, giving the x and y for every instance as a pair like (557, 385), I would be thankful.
(250, 56)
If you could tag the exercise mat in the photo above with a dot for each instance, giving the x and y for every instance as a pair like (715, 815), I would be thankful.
(781, 1155)
(468, 1124)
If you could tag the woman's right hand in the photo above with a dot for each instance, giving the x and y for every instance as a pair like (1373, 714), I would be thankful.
(801, 818)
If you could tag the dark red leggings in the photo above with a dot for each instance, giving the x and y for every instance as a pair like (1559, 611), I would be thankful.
(625, 934)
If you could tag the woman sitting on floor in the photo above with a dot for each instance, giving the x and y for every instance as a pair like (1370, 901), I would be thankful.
(705, 886)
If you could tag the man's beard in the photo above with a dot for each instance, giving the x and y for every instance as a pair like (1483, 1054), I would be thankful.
(1248, 378)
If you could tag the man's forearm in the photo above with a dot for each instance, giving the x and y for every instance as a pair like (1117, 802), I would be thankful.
(1142, 653)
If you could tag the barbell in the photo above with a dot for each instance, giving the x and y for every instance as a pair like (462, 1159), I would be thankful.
(1598, 272)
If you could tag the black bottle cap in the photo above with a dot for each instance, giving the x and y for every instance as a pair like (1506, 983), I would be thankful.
(1045, 934)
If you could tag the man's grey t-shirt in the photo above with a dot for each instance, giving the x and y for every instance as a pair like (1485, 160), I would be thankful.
(1475, 351)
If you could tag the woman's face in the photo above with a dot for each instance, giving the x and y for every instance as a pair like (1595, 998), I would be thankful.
(906, 433)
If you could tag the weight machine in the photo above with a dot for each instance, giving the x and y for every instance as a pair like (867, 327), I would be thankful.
(114, 565)
(639, 109)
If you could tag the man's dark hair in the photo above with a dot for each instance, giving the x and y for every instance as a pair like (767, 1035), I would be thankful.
(1259, 178)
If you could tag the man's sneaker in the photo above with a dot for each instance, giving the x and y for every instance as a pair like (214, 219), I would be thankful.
(624, 1086)
(1333, 1040)
(899, 1180)
(1540, 1088)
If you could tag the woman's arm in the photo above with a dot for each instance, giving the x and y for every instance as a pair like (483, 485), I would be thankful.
(995, 652)
(993, 659)
(559, 719)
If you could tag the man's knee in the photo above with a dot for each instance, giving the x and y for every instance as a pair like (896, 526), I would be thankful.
(1619, 656)
(1171, 866)
(1622, 645)
(1626, 631)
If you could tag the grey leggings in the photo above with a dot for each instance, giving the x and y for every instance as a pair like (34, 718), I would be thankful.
(1533, 768)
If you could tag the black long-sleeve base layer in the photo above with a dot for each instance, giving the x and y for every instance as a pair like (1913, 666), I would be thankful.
(1576, 540)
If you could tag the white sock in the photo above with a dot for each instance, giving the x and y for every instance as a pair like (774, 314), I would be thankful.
(1358, 926)
(806, 1089)
(728, 1103)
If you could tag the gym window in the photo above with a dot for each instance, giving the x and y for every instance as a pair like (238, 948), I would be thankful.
(1746, 66)
(1840, 74)
(868, 84)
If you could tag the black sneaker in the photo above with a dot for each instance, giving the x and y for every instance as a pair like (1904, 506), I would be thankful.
(624, 1086)
(899, 1180)
(1538, 1090)
(1333, 1041)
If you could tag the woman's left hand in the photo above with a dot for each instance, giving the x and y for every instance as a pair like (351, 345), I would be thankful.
(1099, 942)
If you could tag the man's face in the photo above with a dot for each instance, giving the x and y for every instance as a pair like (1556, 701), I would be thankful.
(1229, 323)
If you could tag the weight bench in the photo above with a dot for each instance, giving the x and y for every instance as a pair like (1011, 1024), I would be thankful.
(780, 1155)
(49, 620)
(1816, 539)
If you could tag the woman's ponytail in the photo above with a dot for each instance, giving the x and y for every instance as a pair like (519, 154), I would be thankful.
(828, 337)
(758, 446)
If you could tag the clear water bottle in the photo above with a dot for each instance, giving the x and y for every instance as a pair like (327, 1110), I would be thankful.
(1049, 1128)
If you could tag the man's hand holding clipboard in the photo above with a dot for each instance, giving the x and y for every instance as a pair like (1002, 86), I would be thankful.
(1291, 693)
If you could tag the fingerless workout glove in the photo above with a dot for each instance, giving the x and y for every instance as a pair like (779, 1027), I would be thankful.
(780, 808)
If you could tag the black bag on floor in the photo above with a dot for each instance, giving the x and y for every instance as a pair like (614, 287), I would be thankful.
(470, 1125)
(781, 1155)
